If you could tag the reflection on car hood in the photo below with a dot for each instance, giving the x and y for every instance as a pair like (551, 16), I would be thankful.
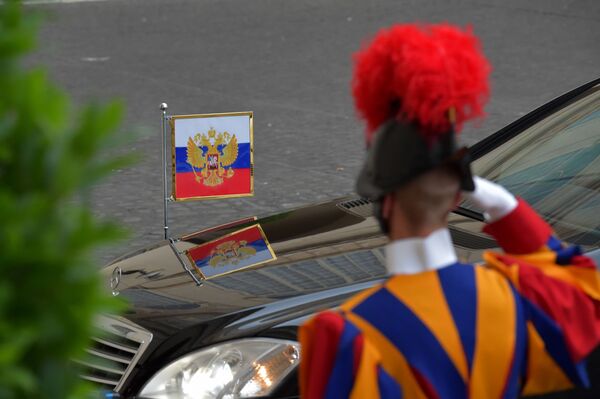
(166, 299)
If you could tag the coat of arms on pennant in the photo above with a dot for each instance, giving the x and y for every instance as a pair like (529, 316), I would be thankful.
(212, 155)
(247, 247)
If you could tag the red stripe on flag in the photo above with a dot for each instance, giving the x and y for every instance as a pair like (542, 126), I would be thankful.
(186, 185)
(202, 251)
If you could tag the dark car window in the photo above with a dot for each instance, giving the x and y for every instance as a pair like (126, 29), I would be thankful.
(555, 166)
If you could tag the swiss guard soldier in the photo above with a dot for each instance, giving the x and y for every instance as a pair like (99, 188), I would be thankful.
(521, 323)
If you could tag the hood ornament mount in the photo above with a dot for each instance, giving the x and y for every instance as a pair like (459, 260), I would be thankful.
(115, 279)
(181, 259)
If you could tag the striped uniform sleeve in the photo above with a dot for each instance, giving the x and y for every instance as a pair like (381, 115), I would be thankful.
(337, 362)
(560, 291)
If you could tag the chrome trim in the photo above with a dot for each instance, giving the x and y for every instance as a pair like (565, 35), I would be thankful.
(109, 356)
(99, 367)
(98, 380)
(116, 327)
(115, 345)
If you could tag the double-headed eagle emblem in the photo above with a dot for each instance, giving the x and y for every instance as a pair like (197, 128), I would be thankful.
(213, 154)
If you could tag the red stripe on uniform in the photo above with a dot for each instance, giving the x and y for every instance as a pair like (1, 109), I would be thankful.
(425, 385)
(324, 344)
(358, 348)
(583, 261)
(520, 232)
(577, 315)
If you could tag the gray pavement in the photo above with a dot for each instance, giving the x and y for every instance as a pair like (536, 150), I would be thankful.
(290, 63)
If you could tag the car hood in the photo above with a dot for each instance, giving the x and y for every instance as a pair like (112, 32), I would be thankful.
(165, 298)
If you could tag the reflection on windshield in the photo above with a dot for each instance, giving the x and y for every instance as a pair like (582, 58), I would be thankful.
(555, 166)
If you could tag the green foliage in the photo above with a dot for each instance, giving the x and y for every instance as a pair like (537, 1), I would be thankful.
(50, 290)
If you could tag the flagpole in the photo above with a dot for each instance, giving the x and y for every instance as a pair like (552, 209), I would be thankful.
(163, 108)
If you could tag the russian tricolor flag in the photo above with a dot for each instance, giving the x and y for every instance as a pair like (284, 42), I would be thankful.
(235, 251)
(237, 179)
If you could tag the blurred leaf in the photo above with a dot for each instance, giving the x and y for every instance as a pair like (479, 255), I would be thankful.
(50, 157)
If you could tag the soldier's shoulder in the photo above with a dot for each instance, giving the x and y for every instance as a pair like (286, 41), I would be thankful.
(360, 297)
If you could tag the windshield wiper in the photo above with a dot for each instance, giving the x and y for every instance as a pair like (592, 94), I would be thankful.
(471, 214)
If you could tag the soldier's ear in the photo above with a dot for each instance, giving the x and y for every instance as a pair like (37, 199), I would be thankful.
(387, 205)
(457, 200)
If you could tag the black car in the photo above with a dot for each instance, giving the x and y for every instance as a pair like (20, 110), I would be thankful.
(234, 334)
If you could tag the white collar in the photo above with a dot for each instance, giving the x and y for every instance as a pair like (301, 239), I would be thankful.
(416, 255)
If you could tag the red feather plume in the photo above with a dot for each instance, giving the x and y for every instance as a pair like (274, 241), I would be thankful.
(418, 73)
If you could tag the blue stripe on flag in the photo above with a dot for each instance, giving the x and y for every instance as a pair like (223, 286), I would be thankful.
(242, 161)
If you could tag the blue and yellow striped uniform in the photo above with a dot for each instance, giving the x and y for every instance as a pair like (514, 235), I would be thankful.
(521, 324)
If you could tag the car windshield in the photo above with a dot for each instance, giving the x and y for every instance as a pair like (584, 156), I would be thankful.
(555, 166)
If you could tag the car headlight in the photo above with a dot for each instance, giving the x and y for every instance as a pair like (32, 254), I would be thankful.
(234, 369)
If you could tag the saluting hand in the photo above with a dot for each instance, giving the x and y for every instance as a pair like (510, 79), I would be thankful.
(493, 199)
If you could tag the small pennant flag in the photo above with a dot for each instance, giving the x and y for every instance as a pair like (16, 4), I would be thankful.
(232, 252)
(212, 156)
